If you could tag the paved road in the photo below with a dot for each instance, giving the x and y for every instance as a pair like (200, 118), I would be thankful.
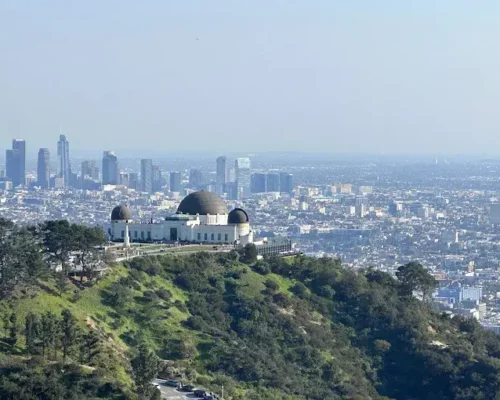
(173, 394)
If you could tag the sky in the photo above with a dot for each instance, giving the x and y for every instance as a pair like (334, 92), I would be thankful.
(155, 77)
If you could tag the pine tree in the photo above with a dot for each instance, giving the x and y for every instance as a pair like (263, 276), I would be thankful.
(13, 329)
(48, 332)
(89, 347)
(31, 331)
(6, 324)
(68, 333)
(145, 366)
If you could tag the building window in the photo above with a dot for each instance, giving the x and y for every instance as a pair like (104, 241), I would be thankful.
(206, 236)
(212, 237)
(123, 234)
(226, 238)
(135, 234)
(199, 237)
(219, 237)
(142, 235)
(149, 235)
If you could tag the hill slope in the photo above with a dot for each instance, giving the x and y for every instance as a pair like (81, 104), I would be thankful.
(282, 329)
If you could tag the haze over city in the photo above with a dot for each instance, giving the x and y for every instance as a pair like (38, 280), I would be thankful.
(224, 76)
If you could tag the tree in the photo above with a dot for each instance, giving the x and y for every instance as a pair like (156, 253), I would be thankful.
(145, 367)
(21, 260)
(6, 324)
(59, 241)
(88, 241)
(249, 255)
(31, 331)
(48, 332)
(61, 282)
(68, 332)
(414, 277)
(13, 329)
(89, 346)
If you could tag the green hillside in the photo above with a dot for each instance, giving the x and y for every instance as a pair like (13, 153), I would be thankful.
(297, 328)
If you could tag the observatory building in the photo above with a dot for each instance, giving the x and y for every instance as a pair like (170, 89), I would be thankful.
(201, 217)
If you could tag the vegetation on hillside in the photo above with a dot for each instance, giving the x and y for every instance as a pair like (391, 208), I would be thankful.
(296, 328)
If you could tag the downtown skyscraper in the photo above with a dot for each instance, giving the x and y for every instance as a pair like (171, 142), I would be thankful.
(147, 175)
(110, 173)
(64, 164)
(16, 162)
(221, 174)
(175, 182)
(243, 177)
(43, 168)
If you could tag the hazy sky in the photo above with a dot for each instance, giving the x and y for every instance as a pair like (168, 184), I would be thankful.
(226, 76)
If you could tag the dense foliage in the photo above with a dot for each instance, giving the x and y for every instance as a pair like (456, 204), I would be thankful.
(296, 328)
(334, 333)
(32, 252)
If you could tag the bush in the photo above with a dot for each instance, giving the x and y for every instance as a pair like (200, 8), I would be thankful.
(262, 268)
(272, 285)
(181, 306)
(164, 294)
(195, 322)
(150, 296)
(300, 290)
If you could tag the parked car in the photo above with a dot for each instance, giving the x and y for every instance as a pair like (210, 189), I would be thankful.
(172, 383)
(200, 393)
(187, 388)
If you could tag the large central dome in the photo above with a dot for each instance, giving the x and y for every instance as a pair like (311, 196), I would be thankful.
(202, 203)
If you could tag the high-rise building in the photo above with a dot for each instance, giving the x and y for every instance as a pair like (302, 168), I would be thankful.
(259, 183)
(16, 162)
(195, 179)
(221, 171)
(90, 169)
(64, 165)
(110, 173)
(43, 168)
(133, 180)
(395, 208)
(231, 175)
(147, 175)
(243, 177)
(124, 179)
(175, 181)
(157, 179)
(273, 182)
(286, 182)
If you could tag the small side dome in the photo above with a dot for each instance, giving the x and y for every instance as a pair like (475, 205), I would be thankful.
(237, 216)
(121, 213)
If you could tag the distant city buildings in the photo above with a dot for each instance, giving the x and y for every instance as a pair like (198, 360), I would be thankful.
(259, 183)
(196, 179)
(243, 177)
(110, 172)
(158, 181)
(147, 175)
(16, 163)
(64, 171)
(43, 168)
(175, 182)
(286, 183)
(221, 174)
(89, 169)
